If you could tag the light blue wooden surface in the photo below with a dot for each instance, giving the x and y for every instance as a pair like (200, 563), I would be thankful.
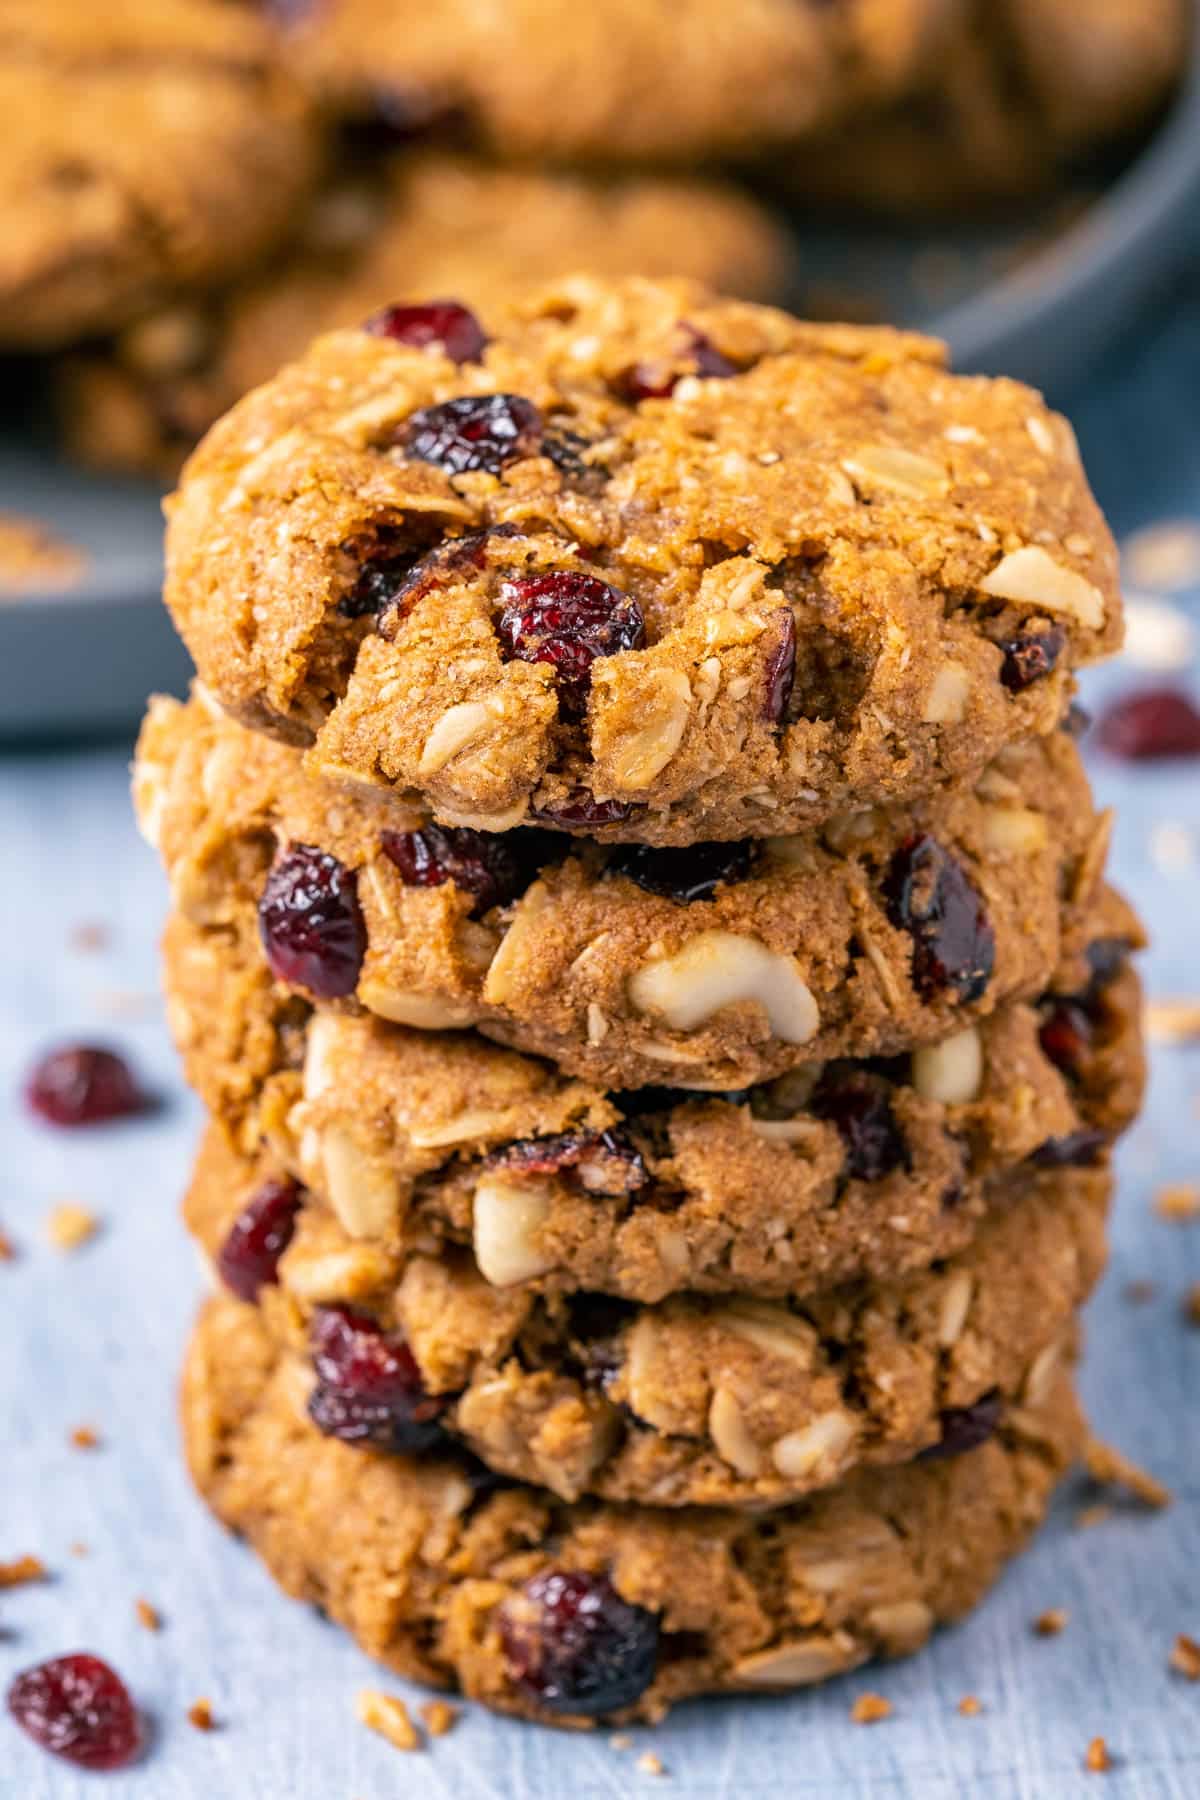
(96, 1337)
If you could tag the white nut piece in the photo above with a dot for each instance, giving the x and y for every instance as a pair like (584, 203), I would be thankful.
(635, 757)
(518, 942)
(801, 1664)
(901, 1625)
(1015, 830)
(508, 1215)
(423, 1012)
(348, 1274)
(729, 1432)
(326, 1031)
(771, 1328)
(819, 1448)
(950, 1073)
(462, 725)
(1032, 576)
(474, 1126)
(364, 1194)
(958, 1290)
(719, 969)
(898, 471)
(946, 701)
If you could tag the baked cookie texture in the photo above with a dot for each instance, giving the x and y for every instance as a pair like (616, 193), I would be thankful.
(150, 147)
(416, 1141)
(616, 80)
(1020, 93)
(715, 965)
(672, 566)
(452, 1582)
(405, 227)
(732, 1400)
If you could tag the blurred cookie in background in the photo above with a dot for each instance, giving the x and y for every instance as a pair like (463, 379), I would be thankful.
(412, 227)
(613, 80)
(34, 560)
(150, 146)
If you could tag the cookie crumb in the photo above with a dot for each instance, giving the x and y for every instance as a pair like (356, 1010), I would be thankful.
(620, 1740)
(650, 1764)
(1108, 1467)
(78, 1549)
(1191, 1304)
(439, 1717)
(8, 1250)
(22, 1570)
(1098, 1761)
(149, 1616)
(200, 1714)
(1173, 1021)
(1179, 1202)
(1087, 1516)
(71, 1225)
(869, 1709)
(90, 936)
(1185, 1657)
(388, 1715)
(1139, 1293)
(970, 1706)
(85, 1438)
(1051, 1622)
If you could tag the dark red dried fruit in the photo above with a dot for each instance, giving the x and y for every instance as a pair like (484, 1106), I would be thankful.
(582, 809)
(369, 1389)
(859, 1105)
(249, 1257)
(1081, 1149)
(493, 867)
(601, 1162)
(596, 1323)
(1029, 656)
(443, 322)
(966, 1427)
(780, 667)
(1151, 727)
(385, 577)
(567, 620)
(574, 1646)
(657, 381)
(478, 431)
(929, 896)
(77, 1707)
(83, 1084)
(311, 923)
(391, 587)
(1066, 1034)
(692, 872)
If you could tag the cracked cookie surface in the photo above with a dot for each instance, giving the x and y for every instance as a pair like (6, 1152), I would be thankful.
(435, 1576)
(413, 226)
(655, 567)
(728, 1400)
(715, 965)
(150, 147)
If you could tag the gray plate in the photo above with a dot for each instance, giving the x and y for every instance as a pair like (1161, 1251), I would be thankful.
(82, 663)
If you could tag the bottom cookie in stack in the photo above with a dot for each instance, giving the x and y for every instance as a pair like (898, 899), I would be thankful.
(570, 1612)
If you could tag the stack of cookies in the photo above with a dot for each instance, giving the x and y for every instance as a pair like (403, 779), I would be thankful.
(640, 931)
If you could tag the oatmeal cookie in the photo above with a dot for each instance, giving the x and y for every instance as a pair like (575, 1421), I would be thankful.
(722, 1400)
(150, 146)
(649, 565)
(458, 1583)
(716, 965)
(614, 80)
(414, 1140)
(413, 226)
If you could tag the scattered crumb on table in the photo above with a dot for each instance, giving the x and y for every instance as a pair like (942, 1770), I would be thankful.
(1098, 1761)
(620, 1740)
(200, 1714)
(388, 1715)
(1185, 1657)
(1051, 1622)
(970, 1706)
(1191, 1304)
(8, 1250)
(1173, 1021)
(439, 1717)
(1088, 1516)
(1111, 1469)
(90, 936)
(71, 1225)
(22, 1570)
(148, 1615)
(1178, 1201)
(650, 1764)
(869, 1709)
(84, 1437)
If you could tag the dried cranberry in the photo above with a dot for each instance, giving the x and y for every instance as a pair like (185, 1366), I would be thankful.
(1152, 726)
(596, 1323)
(249, 1257)
(1065, 1034)
(1029, 656)
(859, 1105)
(402, 581)
(1081, 1149)
(443, 322)
(653, 381)
(78, 1708)
(493, 867)
(582, 809)
(929, 896)
(693, 872)
(369, 1389)
(311, 923)
(966, 1427)
(574, 1646)
(385, 577)
(603, 1162)
(567, 620)
(780, 665)
(478, 431)
(82, 1084)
